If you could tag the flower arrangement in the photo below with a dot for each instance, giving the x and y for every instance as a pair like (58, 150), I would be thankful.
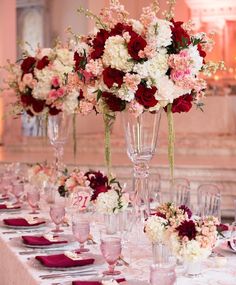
(39, 174)
(69, 182)
(146, 64)
(48, 82)
(191, 239)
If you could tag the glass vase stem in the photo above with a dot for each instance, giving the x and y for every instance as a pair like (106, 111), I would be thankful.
(171, 141)
(108, 122)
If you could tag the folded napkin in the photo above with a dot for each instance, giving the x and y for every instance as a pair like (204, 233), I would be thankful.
(61, 260)
(40, 240)
(21, 222)
(8, 207)
(95, 282)
(222, 228)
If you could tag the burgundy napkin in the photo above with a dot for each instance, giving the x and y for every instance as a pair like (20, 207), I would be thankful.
(21, 222)
(222, 228)
(95, 282)
(4, 207)
(40, 240)
(61, 260)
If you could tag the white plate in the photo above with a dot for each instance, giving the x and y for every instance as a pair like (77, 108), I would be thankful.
(38, 265)
(224, 246)
(9, 210)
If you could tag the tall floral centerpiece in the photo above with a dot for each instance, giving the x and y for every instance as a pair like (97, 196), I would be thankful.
(144, 65)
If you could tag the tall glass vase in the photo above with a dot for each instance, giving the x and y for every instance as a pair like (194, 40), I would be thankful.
(58, 130)
(141, 138)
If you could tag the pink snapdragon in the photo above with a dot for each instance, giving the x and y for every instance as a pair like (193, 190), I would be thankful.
(85, 107)
(148, 16)
(148, 52)
(135, 108)
(132, 81)
(95, 67)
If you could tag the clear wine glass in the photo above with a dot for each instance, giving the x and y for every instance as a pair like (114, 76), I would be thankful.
(141, 134)
(33, 197)
(111, 250)
(81, 231)
(57, 214)
(58, 130)
(17, 190)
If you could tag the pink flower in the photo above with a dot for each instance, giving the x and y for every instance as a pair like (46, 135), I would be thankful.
(55, 81)
(177, 75)
(132, 81)
(85, 107)
(135, 108)
(94, 67)
(148, 16)
(27, 79)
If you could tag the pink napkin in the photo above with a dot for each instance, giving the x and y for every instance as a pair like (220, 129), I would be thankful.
(21, 222)
(4, 207)
(40, 240)
(95, 282)
(61, 260)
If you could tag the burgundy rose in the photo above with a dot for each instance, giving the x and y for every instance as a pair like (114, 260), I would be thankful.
(180, 37)
(114, 103)
(111, 76)
(38, 105)
(161, 215)
(80, 61)
(26, 99)
(202, 53)
(186, 210)
(182, 104)
(187, 229)
(120, 28)
(29, 112)
(54, 111)
(145, 96)
(42, 63)
(81, 94)
(222, 228)
(28, 64)
(99, 43)
(98, 190)
(135, 45)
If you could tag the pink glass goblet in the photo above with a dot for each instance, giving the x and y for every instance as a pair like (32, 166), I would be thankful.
(111, 251)
(57, 214)
(162, 274)
(17, 190)
(81, 230)
(6, 185)
(33, 197)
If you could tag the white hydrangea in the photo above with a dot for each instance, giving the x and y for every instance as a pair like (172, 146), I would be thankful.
(107, 203)
(71, 102)
(155, 229)
(125, 94)
(81, 47)
(65, 56)
(194, 252)
(161, 33)
(155, 67)
(167, 90)
(116, 54)
(44, 52)
(196, 58)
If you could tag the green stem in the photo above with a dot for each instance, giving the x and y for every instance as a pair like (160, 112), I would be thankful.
(74, 137)
(108, 121)
(171, 141)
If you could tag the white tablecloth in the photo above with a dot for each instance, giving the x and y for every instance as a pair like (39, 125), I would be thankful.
(16, 269)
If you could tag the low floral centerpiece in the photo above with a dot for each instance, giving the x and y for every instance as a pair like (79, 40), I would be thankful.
(39, 174)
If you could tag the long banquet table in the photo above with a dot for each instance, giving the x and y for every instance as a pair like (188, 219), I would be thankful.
(16, 269)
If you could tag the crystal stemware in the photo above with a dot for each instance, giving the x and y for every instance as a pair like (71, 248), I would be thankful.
(81, 231)
(17, 190)
(111, 250)
(33, 197)
(57, 214)
(6, 185)
(141, 134)
(58, 130)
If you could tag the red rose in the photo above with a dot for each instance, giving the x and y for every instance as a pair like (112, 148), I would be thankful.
(111, 76)
(145, 96)
(38, 105)
(136, 44)
(80, 61)
(53, 111)
(28, 64)
(42, 63)
(114, 103)
(120, 28)
(182, 104)
(26, 99)
(187, 229)
(99, 43)
(99, 189)
(180, 37)
(201, 51)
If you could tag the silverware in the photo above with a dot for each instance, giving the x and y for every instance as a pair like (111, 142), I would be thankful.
(69, 274)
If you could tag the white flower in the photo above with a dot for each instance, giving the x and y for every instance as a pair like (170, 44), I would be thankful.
(108, 202)
(81, 47)
(116, 54)
(161, 33)
(44, 52)
(125, 94)
(196, 58)
(137, 26)
(71, 102)
(194, 252)
(155, 229)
